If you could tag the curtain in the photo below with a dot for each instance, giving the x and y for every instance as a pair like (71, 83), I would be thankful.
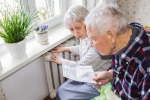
(90, 4)
(2, 95)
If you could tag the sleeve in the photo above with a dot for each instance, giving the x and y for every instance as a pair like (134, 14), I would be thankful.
(75, 50)
(145, 90)
(91, 58)
(110, 69)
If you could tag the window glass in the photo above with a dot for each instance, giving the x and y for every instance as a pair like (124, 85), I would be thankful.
(47, 9)
(7, 3)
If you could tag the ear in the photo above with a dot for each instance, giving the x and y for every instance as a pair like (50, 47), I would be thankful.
(111, 36)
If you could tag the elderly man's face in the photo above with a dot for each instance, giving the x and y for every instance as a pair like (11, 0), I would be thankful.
(101, 43)
(78, 29)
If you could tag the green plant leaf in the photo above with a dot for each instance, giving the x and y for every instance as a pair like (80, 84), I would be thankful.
(17, 23)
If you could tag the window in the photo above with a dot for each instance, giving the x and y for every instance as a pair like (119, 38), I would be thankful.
(50, 12)
(47, 9)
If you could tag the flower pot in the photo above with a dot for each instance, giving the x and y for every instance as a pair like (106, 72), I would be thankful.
(16, 50)
(41, 37)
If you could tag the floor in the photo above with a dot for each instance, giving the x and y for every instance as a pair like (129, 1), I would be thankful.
(48, 98)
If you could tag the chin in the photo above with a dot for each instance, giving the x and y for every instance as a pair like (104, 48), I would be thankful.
(102, 54)
(83, 38)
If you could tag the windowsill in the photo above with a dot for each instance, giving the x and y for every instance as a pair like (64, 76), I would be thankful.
(34, 50)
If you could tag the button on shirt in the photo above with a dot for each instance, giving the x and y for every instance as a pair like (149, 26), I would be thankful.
(131, 67)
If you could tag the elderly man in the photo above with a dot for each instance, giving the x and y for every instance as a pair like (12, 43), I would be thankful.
(130, 46)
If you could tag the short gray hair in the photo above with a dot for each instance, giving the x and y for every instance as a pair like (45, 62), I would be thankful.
(105, 17)
(75, 13)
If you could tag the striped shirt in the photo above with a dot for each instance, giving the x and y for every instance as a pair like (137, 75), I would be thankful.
(132, 73)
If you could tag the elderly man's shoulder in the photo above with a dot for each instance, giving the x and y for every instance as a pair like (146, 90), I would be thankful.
(145, 46)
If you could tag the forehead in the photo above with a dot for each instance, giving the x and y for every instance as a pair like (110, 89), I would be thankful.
(75, 24)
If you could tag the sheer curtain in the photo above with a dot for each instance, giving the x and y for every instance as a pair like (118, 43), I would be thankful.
(90, 4)
(2, 95)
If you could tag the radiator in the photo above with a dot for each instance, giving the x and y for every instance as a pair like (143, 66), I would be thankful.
(54, 71)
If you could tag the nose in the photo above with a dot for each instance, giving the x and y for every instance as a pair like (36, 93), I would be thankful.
(91, 43)
(76, 33)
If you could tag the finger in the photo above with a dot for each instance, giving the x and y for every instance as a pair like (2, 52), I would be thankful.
(55, 51)
(53, 61)
(98, 80)
(55, 48)
(54, 58)
(54, 55)
(97, 77)
(102, 82)
(96, 73)
(99, 84)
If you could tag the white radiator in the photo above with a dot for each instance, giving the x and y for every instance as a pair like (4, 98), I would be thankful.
(54, 71)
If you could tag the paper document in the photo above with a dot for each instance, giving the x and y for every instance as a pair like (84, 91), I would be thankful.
(79, 73)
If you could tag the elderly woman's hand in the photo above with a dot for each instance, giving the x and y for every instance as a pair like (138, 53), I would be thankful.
(57, 49)
(104, 77)
(60, 49)
(57, 59)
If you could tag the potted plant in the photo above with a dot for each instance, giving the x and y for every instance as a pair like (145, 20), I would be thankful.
(15, 26)
(41, 34)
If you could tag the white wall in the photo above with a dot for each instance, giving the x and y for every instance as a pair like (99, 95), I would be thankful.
(29, 83)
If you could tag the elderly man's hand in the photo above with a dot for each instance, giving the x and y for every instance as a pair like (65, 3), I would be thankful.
(104, 77)
(57, 59)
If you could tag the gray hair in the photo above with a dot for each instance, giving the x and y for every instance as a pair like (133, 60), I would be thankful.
(105, 17)
(75, 13)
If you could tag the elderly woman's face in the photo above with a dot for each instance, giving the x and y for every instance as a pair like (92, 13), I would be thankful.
(78, 29)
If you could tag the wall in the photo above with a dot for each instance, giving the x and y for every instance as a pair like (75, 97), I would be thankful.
(29, 83)
(136, 10)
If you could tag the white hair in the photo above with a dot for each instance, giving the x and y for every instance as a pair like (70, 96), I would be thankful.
(105, 17)
(75, 13)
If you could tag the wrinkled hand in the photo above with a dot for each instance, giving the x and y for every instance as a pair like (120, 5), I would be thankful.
(102, 78)
(58, 49)
(56, 58)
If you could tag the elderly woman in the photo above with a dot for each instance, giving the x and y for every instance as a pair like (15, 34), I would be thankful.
(73, 90)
